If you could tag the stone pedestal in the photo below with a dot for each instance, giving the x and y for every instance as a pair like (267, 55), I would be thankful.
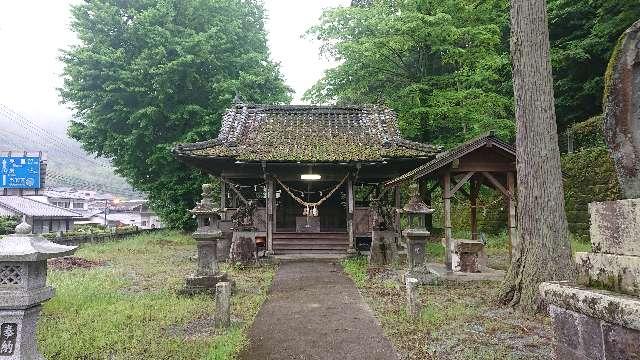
(383, 250)
(224, 243)
(599, 318)
(467, 255)
(243, 247)
(416, 242)
(23, 273)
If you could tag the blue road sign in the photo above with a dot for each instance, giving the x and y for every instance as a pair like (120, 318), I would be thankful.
(21, 172)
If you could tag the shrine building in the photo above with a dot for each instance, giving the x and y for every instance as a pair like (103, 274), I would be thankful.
(311, 170)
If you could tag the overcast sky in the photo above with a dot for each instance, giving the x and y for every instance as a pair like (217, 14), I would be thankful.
(33, 31)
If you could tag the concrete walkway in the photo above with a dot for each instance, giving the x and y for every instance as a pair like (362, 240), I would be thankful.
(314, 311)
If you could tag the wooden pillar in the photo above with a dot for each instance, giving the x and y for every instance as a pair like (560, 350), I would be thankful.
(270, 213)
(223, 195)
(448, 237)
(397, 204)
(350, 210)
(473, 199)
(514, 241)
(425, 195)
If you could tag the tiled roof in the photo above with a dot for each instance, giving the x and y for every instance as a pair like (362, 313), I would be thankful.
(308, 133)
(446, 157)
(19, 205)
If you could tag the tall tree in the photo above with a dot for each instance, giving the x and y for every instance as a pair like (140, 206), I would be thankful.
(543, 252)
(441, 64)
(147, 74)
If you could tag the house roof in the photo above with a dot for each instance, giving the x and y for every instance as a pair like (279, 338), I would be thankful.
(307, 133)
(19, 205)
(445, 158)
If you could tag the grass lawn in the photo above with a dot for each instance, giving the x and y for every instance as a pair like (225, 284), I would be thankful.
(130, 308)
(457, 320)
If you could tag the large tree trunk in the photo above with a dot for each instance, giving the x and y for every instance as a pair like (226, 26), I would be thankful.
(543, 251)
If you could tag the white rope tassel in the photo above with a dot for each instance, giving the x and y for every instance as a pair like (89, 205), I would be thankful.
(315, 211)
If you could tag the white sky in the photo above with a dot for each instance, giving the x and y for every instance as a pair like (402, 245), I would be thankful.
(33, 31)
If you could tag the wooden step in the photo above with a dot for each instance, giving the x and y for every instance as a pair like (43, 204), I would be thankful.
(309, 251)
(311, 246)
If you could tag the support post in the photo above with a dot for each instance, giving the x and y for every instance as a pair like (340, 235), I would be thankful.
(448, 244)
(473, 199)
(514, 241)
(223, 195)
(270, 199)
(425, 195)
(350, 209)
(397, 204)
(222, 317)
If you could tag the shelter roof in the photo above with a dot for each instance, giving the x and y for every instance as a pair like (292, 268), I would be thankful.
(20, 205)
(447, 157)
(308, 133)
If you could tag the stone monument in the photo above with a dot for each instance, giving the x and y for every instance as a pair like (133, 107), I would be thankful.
(622, 110)
(243, 245)
(599, 317)
(23, 288)
(207, 235)
(383, 236)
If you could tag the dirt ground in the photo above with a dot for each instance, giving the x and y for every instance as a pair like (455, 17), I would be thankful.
(458, 320)
(314, 311)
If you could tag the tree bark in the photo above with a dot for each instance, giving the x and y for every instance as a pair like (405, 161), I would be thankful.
(544, 251)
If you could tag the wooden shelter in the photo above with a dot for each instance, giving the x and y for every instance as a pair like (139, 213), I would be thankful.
(485, 160)
(311, 169)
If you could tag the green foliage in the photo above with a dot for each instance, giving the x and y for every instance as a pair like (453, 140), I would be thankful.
(589, 133)
(441, 65)
(589, 176)
(583, 35)
(8, 224)
(356, 268)
(149, 74)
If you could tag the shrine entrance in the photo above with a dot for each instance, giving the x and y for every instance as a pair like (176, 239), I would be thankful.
(331, 214)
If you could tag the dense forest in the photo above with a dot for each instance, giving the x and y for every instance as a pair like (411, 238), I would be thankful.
(444, 65)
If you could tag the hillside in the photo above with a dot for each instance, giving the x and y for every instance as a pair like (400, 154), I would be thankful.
(68, 164)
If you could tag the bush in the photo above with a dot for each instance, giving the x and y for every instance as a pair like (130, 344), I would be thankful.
(8, 224)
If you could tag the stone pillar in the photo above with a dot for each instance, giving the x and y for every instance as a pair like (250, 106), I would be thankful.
(23, 273)
(413, 305)
(222, 317)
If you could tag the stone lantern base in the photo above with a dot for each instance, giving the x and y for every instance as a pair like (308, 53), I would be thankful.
(203, 284)
(17, 334)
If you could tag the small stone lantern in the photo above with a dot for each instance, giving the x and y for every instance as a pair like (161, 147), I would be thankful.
(207, 235)
(416, 233)
(23, 287)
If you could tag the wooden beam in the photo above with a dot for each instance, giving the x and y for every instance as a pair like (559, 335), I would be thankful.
(446, 185)
(496, 183)
(223, 195)
(473, 200)
(350, 209)
(462, 181)
(270, 218)
(514, 241)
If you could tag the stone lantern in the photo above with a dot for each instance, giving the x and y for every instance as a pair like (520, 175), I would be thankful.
(23, 287)
(415, 212)
(207, 235)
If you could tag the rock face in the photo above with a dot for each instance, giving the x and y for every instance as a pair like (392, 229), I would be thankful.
(383, 248)
(243, 247)
(622, 110)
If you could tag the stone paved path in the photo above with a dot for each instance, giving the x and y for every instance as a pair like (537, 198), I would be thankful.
(314, 311)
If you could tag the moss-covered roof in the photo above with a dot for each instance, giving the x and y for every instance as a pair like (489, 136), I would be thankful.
(308, 133)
